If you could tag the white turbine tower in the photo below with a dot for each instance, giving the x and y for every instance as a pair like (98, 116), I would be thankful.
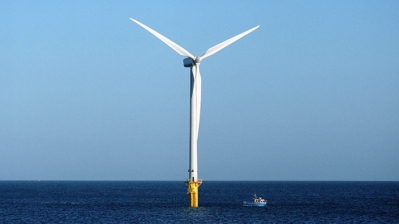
(195, 104)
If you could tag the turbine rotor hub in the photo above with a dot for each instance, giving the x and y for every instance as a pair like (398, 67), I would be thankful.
(198, 60)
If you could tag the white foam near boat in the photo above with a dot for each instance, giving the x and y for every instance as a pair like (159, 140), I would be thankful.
(257, 202)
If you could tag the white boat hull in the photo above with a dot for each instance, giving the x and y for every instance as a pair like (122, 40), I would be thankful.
(259, 204)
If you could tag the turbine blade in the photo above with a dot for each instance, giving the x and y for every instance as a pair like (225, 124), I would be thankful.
(198, 82)
(170, 43)
(197, 97)
(226, 43)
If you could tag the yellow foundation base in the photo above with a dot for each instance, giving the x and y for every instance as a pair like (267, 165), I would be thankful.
(192, 191)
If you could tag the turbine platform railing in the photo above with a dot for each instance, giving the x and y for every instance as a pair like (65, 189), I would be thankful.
(186, 181)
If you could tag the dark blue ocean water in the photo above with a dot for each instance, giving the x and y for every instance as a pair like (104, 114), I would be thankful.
(220, 202)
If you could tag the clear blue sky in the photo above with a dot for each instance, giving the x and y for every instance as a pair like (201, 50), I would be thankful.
(86, 94)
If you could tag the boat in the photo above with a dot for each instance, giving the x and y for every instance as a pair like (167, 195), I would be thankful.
(257, 202)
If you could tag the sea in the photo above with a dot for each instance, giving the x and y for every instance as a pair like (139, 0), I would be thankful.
(219, 202)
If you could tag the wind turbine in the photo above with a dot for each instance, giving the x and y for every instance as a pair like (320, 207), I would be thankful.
(194, 62)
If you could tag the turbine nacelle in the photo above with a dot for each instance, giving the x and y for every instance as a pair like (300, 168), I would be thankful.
(189, 62)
